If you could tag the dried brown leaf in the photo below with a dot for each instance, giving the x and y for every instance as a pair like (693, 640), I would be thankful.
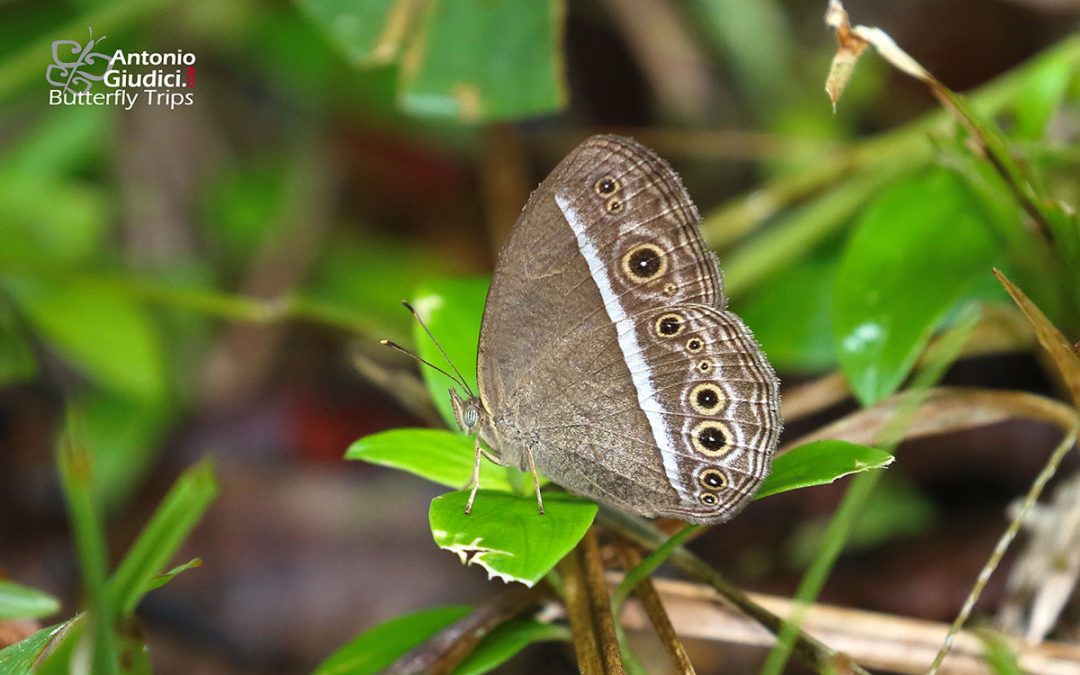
(1060, 350)
(945, 410)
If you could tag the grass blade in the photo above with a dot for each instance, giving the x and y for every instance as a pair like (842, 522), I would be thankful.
(159, 541)
(88, 530)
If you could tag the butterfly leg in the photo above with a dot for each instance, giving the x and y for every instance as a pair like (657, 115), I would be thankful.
(536, 482)
(475, 480)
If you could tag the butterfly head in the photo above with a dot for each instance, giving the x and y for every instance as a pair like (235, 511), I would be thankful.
(467, 412)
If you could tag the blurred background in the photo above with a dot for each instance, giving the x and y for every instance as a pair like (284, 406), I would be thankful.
(212, 280)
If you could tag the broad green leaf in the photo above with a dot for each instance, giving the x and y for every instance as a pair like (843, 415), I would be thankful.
(506, 536)
(108, 335)
(159, 580)
(483, 60)
(1045, 88)
(169, 526)
(372, 276)
(506, 641)
(914, 254)
(66, 140)
(17, 362)
(19, 658)
(791, 316)
(22, 602)
(437, 455)
(370, 32)
(452, 309)
(820, 463)
(53, 220)
(378, 647)
(125, 435)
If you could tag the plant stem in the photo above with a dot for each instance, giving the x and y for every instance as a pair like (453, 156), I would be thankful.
(576, 598)
(810, 650)
(859, 491)
(654, 609)
(601, 604)
(1007, 537)
(648, 566)
(441, 654)
(76, 462)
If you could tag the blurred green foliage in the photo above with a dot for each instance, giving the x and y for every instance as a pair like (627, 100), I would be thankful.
(853, 255)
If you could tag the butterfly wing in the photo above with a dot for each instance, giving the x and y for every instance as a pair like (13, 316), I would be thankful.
(574, 363)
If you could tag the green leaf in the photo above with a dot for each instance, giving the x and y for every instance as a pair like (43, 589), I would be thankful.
(437, 455)
(108, 335)
(372, 276)
(915, 253)
(125, 435)
(17, 362)
(22, 602)
(506, 536)
(160, 539)
(820, 463)
(1045, 88)
(506, 641)
(368, 31)
(88, 531)
(19, 658)
(159, 580)
(452, 310)
(483, 60)
(791, 317)
(999, 655)
(380, 646)
(52, 219)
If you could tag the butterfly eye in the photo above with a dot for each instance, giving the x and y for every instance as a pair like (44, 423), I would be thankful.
(644, 262)
(471, 417)
(713, 478)
(669, 325)
(711, 438)
(606, 186)
(707, 398)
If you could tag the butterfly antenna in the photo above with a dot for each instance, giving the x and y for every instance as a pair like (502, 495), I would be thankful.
(416, 315)
(429, 364)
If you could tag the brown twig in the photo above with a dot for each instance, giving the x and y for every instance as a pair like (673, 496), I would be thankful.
(654, 609)
(600, 603)
(449, 647)
(578, 610)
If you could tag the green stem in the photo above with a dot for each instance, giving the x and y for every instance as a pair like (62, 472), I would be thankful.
(86, 522)
(859, 491)
(647, 566)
